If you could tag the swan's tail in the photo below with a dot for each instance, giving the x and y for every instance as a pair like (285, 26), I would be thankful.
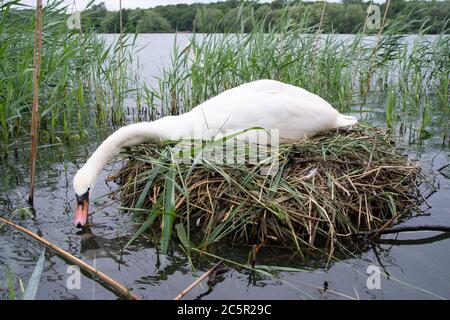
(343, 121)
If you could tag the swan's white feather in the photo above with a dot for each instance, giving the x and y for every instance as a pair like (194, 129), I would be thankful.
(269, 104)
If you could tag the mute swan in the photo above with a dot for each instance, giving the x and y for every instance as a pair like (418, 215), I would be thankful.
(269, 104)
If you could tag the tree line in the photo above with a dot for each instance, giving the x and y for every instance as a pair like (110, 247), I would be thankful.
(349, 16)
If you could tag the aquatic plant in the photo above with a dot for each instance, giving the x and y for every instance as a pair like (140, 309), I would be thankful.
(34, 131)
(83, 80)
(29, 291)
(346, 71)
(327, 187)
(33, 284)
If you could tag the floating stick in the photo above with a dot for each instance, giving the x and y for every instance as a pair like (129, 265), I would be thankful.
(398, 229)
(196, 282)
(113, 283)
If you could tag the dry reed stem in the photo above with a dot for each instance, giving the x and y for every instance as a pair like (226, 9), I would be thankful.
(197, 281)
(330, 186)
(113, 283)
(34, 132)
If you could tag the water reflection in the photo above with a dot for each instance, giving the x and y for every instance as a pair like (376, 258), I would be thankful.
(142, 268)
(96, 247)
(413, 265)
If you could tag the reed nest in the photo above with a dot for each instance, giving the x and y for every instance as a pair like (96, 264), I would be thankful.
(327, 187)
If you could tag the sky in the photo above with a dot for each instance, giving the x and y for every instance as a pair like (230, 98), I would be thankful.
(131, 4)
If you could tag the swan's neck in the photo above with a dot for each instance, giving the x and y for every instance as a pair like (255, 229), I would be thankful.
(134, 134)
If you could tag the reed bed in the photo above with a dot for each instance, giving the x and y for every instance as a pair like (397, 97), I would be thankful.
(87, 82)
(84, 80)
(341, 69)
(351, 72)
(328, 187)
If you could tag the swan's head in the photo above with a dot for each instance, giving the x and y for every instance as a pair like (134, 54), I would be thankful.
(82, 183)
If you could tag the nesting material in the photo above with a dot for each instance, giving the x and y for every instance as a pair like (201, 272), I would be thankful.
(327, 187)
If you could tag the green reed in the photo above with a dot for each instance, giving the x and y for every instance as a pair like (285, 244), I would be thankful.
(343, 70)
(82, 76)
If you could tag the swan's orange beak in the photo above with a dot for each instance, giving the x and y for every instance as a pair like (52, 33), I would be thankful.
(81, 213)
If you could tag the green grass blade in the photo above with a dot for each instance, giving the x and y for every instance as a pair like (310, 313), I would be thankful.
(182, 235)
(33, 283)
(147, 223)
(169, 210)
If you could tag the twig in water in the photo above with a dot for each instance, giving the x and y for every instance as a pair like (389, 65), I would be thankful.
(404, 229)
(113, 283)
(196, 282)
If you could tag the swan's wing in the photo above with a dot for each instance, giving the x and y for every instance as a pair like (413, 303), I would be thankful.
(293, 115)
(272, 86)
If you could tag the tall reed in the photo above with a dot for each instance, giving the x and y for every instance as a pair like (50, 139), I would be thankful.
(37, 53)
(347, 71)
(78, 72)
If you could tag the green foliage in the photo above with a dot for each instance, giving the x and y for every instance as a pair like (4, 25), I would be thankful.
(346, 17)
(153, 22)
(343, 70)
(78, 70)
(207, 20)
(83, 78)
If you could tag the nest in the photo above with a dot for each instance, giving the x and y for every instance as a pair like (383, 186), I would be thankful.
(327, 187)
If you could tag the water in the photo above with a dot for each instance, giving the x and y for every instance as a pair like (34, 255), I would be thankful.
(413, 265)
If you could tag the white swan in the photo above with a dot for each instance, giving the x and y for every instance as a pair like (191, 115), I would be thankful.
(269, 104)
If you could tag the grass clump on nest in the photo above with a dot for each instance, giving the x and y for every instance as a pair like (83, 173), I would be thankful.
(327, 187)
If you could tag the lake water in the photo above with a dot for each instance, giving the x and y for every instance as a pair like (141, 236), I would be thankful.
(413, 265)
